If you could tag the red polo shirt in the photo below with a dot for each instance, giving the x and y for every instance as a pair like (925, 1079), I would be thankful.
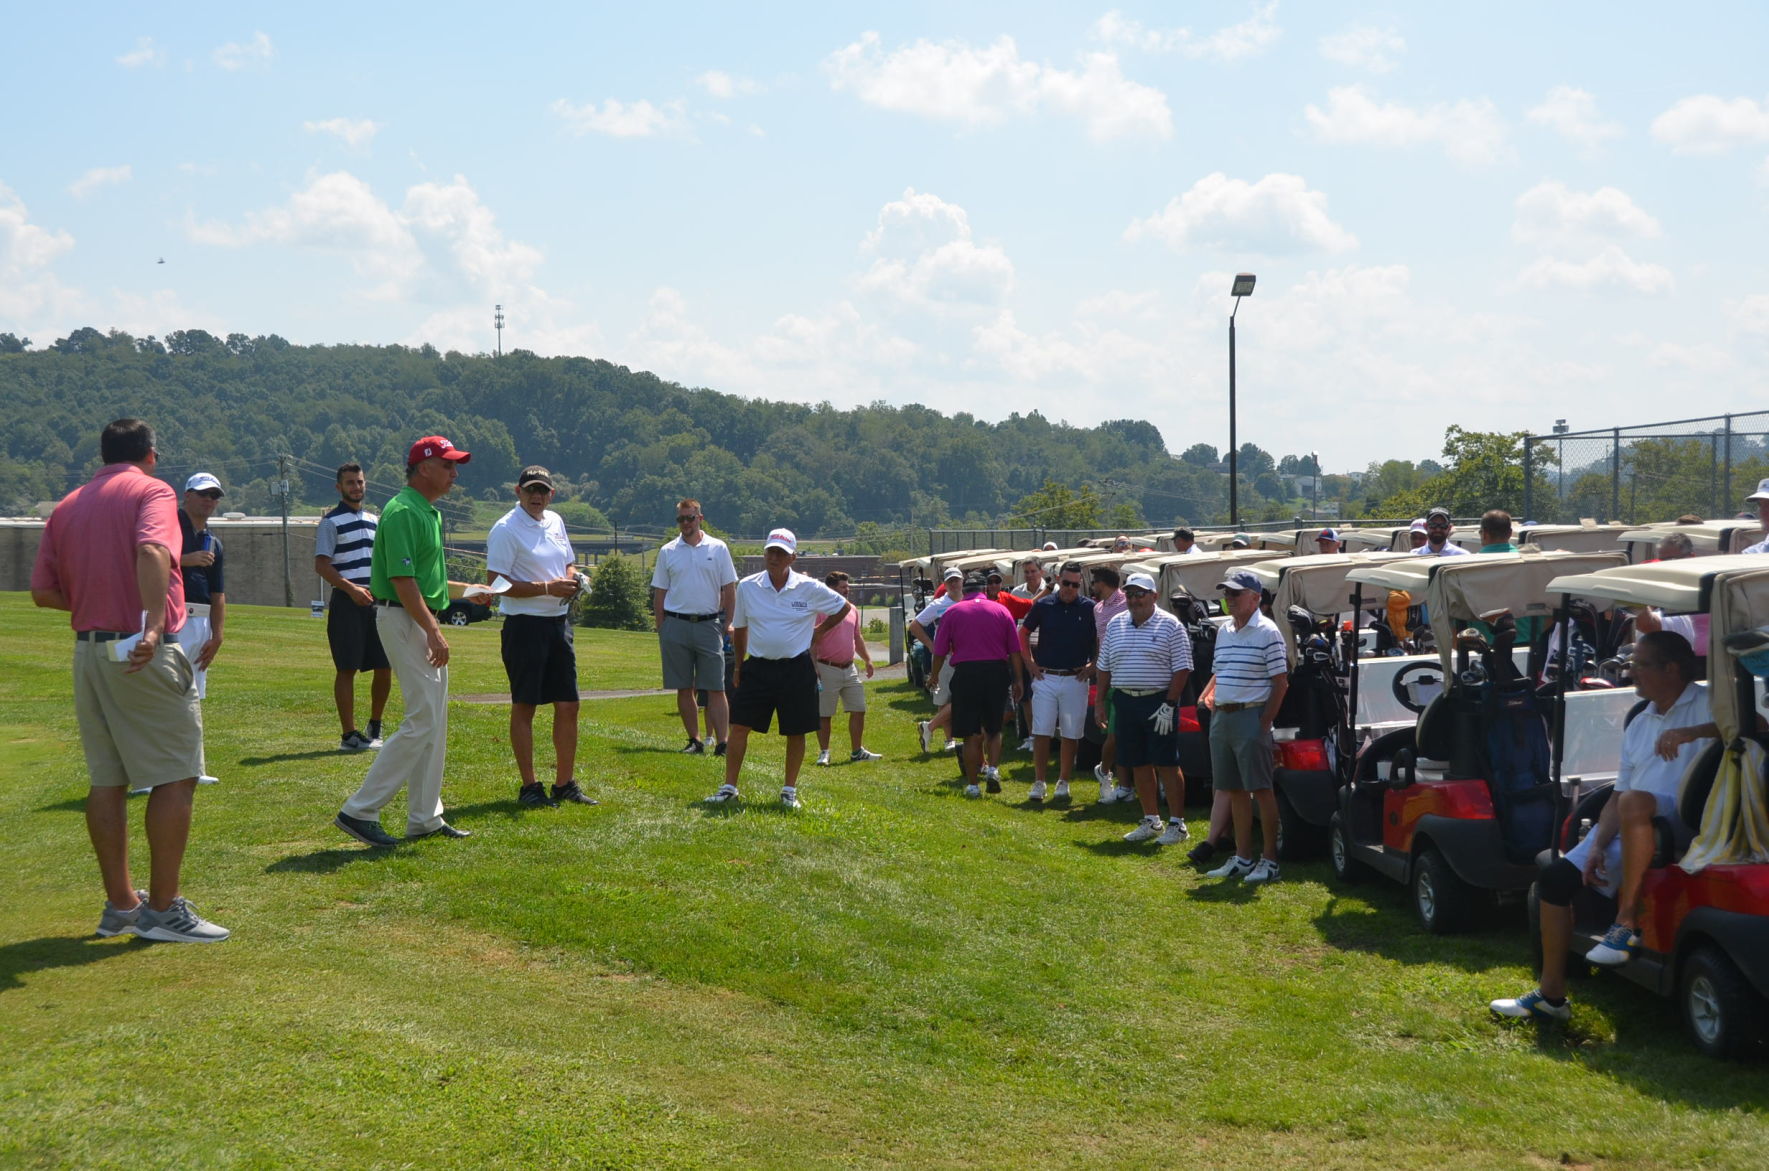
(89, 544)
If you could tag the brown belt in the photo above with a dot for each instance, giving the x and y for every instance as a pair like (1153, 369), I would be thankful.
(1237, 707)
(832, 663)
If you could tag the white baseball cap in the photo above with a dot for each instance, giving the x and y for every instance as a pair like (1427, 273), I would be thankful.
(1418, 525)
(952, 573)
(1140, 581)
(783, 539)
(203, 481)
(1762, 492)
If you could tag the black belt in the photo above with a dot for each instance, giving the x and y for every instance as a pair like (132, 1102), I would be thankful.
(114, 635)
(397, 605)
(1055, 671)
(692, 617)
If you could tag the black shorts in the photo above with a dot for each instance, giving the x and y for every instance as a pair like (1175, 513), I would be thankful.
(539, 659)
(786, 686)
(1138, 742)
(979, 696)
(351, 631)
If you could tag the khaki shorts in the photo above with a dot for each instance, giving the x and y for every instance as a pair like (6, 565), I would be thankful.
(139, 730)
(840, 683)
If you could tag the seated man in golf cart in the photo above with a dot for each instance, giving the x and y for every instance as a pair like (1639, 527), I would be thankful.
(1657, 748)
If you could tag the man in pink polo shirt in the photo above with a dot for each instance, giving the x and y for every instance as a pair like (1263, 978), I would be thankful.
(838, 679)
(984, 647)
(110, 557)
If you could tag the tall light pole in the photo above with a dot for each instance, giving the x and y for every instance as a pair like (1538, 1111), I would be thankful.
(1314, 512)
(1243, 287)
(497, 319)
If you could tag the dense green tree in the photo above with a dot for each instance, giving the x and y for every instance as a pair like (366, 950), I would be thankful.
(619, 597)
(1057, 506)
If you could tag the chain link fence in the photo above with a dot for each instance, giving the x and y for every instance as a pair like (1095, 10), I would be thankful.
(1648, 472)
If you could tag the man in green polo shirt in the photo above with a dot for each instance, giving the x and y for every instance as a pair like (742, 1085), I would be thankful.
(409, 581)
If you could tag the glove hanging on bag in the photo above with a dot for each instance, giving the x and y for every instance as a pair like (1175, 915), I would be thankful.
(1162, 719)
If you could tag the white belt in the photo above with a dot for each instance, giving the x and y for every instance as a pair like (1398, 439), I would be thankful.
(196, 609)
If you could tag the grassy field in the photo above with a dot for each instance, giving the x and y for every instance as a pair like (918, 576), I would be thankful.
(892, 976)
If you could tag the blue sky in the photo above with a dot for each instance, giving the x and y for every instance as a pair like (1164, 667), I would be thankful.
(1492, 215)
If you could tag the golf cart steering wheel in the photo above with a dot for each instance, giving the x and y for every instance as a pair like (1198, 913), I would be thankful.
(1403, 678)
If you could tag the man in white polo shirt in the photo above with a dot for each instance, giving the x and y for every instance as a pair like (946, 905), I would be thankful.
(692, 592)
(774, 623)
(529, 548)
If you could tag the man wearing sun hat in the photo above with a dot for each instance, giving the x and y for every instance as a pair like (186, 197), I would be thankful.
(1251, 676)
(772, 628)
(1761, 499)
(409, 580)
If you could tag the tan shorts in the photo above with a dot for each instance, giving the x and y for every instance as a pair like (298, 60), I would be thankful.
(840, 683)
(139, 730)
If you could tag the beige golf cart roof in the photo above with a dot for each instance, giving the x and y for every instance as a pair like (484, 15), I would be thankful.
(1709, 537)
(1198, 573)
(1582, 538)
(1463, 588)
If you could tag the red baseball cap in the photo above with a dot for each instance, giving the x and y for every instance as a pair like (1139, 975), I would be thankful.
(436, 445)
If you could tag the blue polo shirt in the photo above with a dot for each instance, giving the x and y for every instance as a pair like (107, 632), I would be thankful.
(201, 585)
(1066, 633)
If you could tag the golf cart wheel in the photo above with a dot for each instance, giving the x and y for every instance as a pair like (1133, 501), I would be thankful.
(1723, 1012)
(1345, 867)
(1443, 902)
(458, 618)
(1297, 839)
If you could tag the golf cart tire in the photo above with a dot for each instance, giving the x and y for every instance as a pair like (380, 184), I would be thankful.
(458, 618)
(1442, 901)
(1298, 839)
(1346, 867)
(1723, 1012)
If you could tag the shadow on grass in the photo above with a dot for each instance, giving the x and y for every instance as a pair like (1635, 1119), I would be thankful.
(311, 754)
(328, 861)
(1223, 890)
(1392, 933)
(51, 951)
(71, 805)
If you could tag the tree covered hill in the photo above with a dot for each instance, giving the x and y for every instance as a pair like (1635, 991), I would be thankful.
(626, 443)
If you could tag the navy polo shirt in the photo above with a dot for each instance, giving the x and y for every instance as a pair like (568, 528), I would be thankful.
(1066, 634)
(200, 584)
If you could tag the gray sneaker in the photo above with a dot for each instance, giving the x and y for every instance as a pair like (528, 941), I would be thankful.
(369, 833)
(115, 922)
(178, 923)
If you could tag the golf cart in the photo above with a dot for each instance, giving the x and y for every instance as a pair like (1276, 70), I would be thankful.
(1458, 805)
(1709, 537)
(1704, 924)
(1587, 537)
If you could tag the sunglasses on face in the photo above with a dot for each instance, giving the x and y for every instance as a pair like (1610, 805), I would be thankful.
(209, 494)
(1136, 593)
(682, 520)
(1069, 585)
(537, 489)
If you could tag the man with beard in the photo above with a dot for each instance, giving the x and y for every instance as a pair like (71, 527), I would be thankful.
(342, 551)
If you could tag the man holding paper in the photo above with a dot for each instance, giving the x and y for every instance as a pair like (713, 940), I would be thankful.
(109, 558)
(409, 581)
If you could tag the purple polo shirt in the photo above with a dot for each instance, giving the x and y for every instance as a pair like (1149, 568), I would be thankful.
(977, 630)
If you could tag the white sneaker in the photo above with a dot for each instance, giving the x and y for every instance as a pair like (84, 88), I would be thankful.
(991, 773)
(1145, 829)
(1101, 775)
(725, 793)
(951, 746)
(1026, 744)
(1264, 871)
(925, 732)
(789, 798)
(1037, 792)
(861, 756)
(823, 757)
(1061, 792)
(1107, 794)
(972, 791)
(206, 779)
(1121, 794)
(1176, 833)
(1235, 867)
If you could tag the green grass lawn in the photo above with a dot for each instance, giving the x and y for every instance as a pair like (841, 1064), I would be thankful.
(893, 976)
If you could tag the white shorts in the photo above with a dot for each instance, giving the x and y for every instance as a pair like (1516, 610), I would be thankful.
(1059, 703)
(1609, 871)
(191, 637)
(943, 686)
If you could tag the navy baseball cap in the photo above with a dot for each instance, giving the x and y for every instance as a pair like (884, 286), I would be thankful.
(1240, 579)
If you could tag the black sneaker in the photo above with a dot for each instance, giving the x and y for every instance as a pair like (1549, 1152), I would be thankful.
(569, 792)
(444, 830)
(992, 784)
(353, 741)
(693, 747)
(535, 797)
(374, 729)
(719, 748)
(369, 833)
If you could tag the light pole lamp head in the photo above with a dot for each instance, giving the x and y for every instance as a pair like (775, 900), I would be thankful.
(1243, 286)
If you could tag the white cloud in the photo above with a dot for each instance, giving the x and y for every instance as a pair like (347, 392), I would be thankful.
(1572, 113)
(1368, 48)
(1233, 43)
(724, 86)
(1709, 124)
(356, 133)
(144, 53)
(1553, 212)
(1752, 314)
(954, 82)
(1276, 215)
(453, 213)
(28, 288)
(1610, 267)
(99, 177)
(925, 256)
(618, 119)
(235, 56)
(1706, 360)
(1470, 132)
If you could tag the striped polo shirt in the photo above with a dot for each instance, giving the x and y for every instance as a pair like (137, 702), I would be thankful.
(1146, 656)
(1248, 659)
(347, 537)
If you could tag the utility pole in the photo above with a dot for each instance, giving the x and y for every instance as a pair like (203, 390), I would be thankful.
(282, 471)
(497, 319)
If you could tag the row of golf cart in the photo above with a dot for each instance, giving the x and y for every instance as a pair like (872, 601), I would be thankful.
(1457, 742)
